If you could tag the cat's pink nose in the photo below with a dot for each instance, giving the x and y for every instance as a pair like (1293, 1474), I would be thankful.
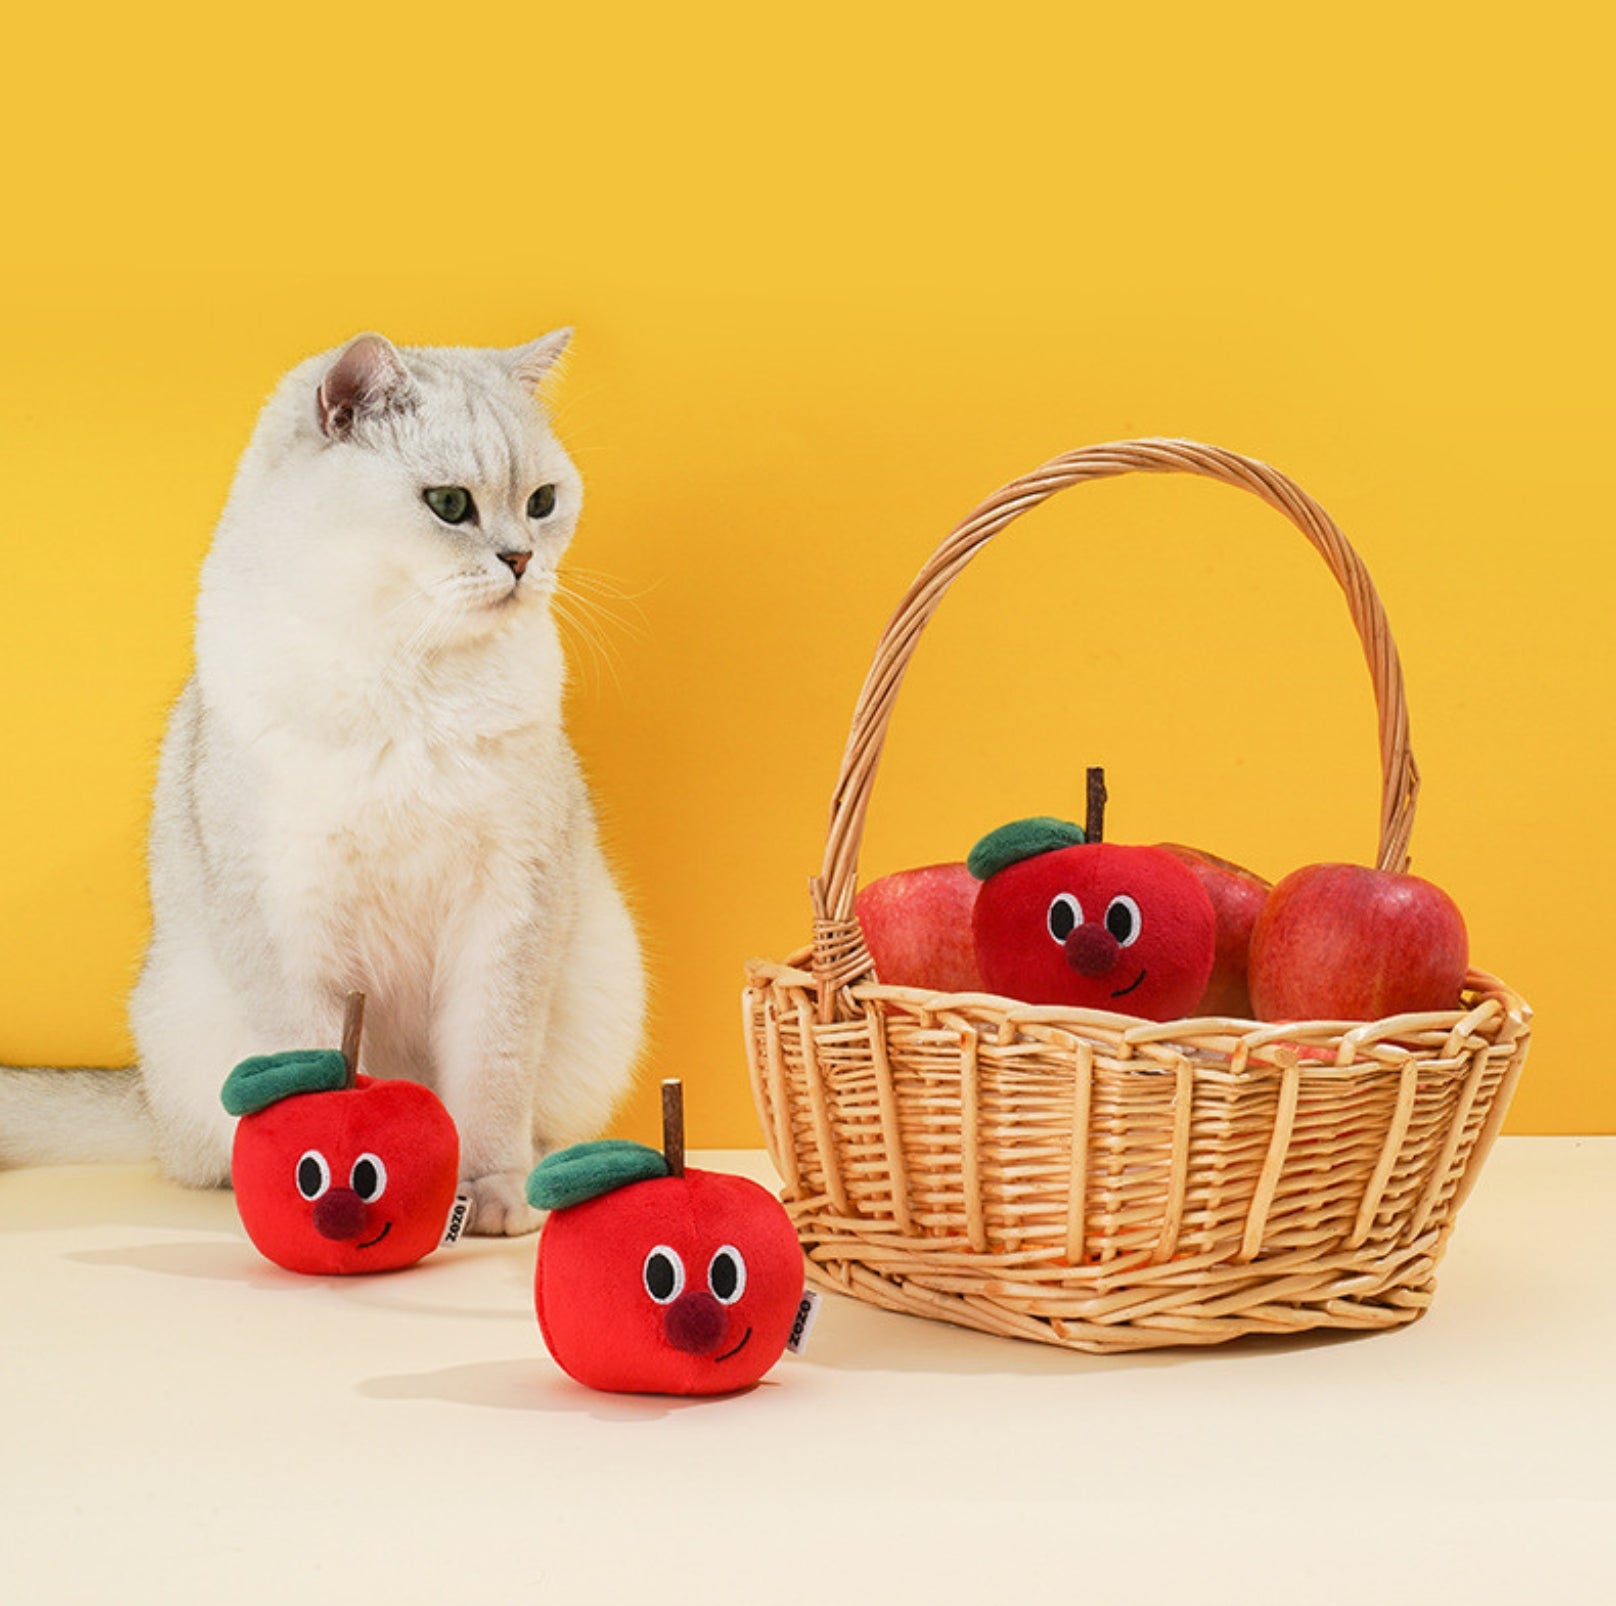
(516, 562)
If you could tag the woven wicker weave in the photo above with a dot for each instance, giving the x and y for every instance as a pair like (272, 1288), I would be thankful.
(1093, 1180)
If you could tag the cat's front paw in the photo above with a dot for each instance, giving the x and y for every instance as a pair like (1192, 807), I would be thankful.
(499, 1206)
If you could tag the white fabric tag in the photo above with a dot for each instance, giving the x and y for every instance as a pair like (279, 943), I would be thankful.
(807, 1314)
(459, 1215)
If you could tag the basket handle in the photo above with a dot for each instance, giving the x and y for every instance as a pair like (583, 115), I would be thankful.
(839, 955)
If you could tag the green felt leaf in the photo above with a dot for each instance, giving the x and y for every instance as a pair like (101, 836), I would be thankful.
(1021, 839)
(587, 1170)
(266, 1079)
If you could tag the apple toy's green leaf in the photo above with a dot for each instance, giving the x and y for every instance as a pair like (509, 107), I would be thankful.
(587, 1170)
(1021, 839)
(266, 1079)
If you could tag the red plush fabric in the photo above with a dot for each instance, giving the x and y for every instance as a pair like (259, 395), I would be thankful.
(1158, 973)
(341, 1144)
(640, 1291)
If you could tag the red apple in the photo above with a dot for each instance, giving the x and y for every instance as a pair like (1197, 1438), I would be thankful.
(1341, 942)
(1237, 896)
(917, 926)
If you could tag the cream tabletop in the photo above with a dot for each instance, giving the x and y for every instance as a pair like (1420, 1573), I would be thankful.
(184, 1422)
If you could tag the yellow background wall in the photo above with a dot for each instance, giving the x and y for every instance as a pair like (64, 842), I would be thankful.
(838, 271)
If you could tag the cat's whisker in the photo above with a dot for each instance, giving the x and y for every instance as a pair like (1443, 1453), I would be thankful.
(605, 586)
(574, 567)
(426, 597)
(430, 634)
(602, 611)
(576, 639)
(413, 597)
(592, 610)
(420, 642)
(577, 622)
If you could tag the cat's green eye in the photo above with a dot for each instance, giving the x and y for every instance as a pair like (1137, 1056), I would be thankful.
(541, 504)
(451, 503)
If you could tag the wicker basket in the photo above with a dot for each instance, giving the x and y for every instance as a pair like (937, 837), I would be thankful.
(1090, 1179)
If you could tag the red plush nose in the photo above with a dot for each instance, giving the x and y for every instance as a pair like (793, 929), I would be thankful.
(695, 1323)
(339, 1213)
(1091, 950)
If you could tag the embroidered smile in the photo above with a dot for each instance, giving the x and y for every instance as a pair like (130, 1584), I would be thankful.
(1122, 992)
(370, 1243)
(730, 1353)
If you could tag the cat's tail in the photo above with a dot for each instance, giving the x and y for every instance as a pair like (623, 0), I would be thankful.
(76, 1117)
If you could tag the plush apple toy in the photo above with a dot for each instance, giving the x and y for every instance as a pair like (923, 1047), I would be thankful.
(654, 1279)
(338, 1173)
(1066, 918)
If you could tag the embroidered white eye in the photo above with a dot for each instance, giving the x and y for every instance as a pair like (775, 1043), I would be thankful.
(726, 1275)
(369, 1177)
(313, 1174)
(664, 1275)
(1123, 920)
(1065, 916)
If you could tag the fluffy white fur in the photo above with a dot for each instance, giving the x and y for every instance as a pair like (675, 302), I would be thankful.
(366, 784)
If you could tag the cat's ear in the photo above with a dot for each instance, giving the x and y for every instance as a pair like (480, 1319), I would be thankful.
(530, 363)
(368, 376)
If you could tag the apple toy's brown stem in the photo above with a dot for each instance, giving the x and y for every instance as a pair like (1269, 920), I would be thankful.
(1094, 824)
(673, 1126)
(353, 1026)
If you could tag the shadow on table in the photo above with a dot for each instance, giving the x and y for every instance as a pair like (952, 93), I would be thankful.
(851, 1336)
(532, 1384)
(215, 1260)
(52, 1198)
(436, 1286)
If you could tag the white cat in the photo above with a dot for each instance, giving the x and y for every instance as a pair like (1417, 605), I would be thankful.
(366, 785)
